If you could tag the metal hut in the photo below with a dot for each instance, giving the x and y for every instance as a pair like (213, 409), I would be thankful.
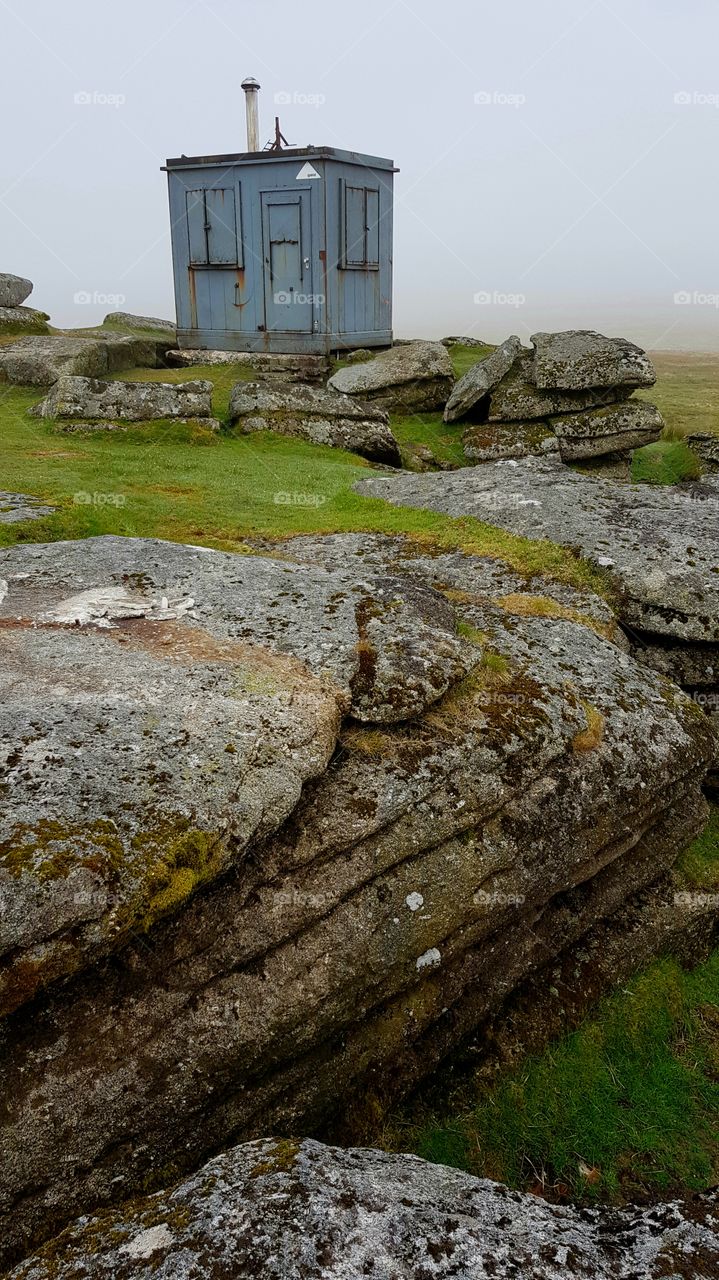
(283, 250)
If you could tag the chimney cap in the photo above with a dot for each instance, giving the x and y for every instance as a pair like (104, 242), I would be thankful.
(250, 83)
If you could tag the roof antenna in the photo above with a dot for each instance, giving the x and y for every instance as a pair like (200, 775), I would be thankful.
(279, 138)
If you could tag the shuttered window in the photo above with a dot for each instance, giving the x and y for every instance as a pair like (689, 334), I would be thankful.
(212, 225)
(360, 227)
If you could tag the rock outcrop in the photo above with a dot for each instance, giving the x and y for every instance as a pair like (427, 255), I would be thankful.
(38, 361)
(277, 833)
(14, 290)
(412, 377)
(316, 414)
(616, 428)
(125, 320)
(580, 359)
(14, 317)
(288, 1210)
(92, 400)
(660, 545)
(573, 386)
(22, 320)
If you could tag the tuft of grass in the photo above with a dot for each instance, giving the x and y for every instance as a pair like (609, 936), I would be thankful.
(464, 357)
(590, 738)
(698, 865)
(667, 461)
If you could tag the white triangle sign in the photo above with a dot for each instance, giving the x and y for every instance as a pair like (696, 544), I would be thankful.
(307, 171)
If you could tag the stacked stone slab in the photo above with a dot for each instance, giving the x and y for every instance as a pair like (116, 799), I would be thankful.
(571, 394)
(317, 414)
(76, 402)
(14, 317)
(410, 377)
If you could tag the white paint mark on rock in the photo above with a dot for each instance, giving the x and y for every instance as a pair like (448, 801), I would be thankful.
(144, 1245)
(429, 959)
(414, 901)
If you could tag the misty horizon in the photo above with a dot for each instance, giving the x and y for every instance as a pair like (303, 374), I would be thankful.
(555, 164)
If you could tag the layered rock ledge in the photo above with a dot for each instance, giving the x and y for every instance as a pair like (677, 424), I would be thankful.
(280, 833)
(659, 545)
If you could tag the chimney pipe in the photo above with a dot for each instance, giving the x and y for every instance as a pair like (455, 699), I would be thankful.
(252, 89)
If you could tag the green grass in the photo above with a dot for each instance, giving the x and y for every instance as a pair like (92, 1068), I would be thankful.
(625, 1106)
(464, 357)
(163, 480)
(687, 390)
(665, 462)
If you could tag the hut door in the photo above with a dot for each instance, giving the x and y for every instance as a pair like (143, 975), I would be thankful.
(289, 302)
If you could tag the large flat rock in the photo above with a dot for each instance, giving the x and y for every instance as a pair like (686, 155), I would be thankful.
(166, 667)
(76, 399)
(287, 1210)
(517, 398)
(659, 544)
(578, 359)
(317, 414)
(40, 361)
(411, 377)
(615, 428)
(260, 914)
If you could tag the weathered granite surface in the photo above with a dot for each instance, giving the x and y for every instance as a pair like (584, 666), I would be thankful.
(40, 361)
(407, 378)
(23, 320)
(615, 428)
(579, 359)
(290, 1210)
(266, 366)
(126, 320)
(659, 544)
(480, 379)
(288, 831)
(92, 399)
(319, 415)
(14, 290)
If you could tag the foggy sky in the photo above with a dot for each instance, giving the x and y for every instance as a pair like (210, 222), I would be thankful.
(558, 160)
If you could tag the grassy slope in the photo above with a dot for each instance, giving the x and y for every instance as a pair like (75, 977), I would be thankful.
(627, 1106)
(169, 481)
